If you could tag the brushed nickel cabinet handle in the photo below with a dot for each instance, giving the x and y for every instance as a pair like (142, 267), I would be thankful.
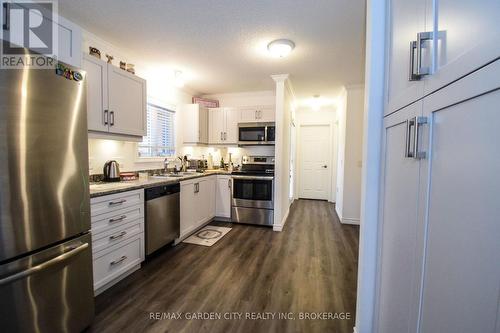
(422, 36)
(120, 235)
(118, 219)
(416, 153)
(113, 203)
(6, 25)
(118, 261)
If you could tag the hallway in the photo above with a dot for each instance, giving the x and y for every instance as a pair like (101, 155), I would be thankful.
(309, 267)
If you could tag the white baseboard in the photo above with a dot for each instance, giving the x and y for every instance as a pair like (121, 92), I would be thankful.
(346, 220)
(279, 227)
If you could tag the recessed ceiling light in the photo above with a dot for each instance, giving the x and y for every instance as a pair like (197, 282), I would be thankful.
(280, 48)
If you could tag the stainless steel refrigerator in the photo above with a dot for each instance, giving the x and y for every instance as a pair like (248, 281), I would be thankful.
(45, 245)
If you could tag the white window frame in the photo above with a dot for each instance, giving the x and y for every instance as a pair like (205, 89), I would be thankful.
(170, 107)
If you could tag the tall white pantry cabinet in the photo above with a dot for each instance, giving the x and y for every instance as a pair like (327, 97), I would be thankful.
(439, 236)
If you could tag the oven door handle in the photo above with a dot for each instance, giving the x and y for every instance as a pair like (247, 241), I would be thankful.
(254, 177)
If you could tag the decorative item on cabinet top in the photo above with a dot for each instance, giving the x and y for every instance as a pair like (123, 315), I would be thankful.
(110, 58)
(205, 102)
(93, 51)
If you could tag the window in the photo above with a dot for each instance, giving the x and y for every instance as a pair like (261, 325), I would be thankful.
(160, 139)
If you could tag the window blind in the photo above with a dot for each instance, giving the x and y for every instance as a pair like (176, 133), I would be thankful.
(160, 138)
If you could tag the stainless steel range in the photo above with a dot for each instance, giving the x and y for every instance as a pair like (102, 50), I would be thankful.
(253, 191)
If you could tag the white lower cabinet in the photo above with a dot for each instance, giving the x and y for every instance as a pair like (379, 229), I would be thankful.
(117, 237)
(197, 203)
(440, 230)
(223, 196)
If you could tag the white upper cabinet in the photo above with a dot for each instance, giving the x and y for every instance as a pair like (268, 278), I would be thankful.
(232, 117)
(216, 125)
(406, 20)
(97, 93)
(223, 128)
(127, 102)
(194, 124)
(467, 38)
(250, 114)
(116, 99)
(433, 43)
(69, 37)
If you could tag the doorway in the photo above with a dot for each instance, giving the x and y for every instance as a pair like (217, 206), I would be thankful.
(315, 162)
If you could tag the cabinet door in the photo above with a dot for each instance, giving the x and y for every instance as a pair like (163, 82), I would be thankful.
(188, 208)
(401, 234)
(190, 123)
(216, 132)
(248, 114)
(127, 102)
(231, 126)
(210, 195)
(468, 37)
(266, 114)
(462, 274)
(223, 197)
(203, 126)
(406, 20)
(201, 202)
(97, 93)
(69, 37)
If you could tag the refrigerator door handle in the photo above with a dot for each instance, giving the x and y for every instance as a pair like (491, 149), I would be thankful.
(32, 270)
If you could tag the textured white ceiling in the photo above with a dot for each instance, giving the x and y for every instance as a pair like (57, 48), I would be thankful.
(221, 43)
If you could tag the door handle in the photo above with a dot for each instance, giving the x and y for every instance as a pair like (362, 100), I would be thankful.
(409, 124)
(225, 136)
(6, 24)
(325, 166)
(229, 183)
(106, 119)
(59, 259)
(422, 36)
(416, 153)
(221, 137)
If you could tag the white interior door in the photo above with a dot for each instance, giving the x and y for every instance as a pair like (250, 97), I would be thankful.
(315, 162)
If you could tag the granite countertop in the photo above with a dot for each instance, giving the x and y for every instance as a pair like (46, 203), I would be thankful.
(101, 188)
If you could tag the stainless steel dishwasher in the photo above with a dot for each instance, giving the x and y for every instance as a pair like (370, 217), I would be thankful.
(162, 216)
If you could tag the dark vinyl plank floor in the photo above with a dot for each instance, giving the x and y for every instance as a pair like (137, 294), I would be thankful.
(310, 267)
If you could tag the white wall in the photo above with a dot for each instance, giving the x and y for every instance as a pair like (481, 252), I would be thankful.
(324, 116)
(350, 120)
(284, 113)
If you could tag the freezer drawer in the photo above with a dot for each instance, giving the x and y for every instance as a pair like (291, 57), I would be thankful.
(50, 291)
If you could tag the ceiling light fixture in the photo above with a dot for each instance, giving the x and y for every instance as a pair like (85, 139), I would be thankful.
(280, 48)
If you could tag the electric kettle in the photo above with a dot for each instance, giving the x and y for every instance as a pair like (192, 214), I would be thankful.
(111, 171)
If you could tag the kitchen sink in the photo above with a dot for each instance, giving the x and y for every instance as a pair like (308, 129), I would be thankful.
(176, 175)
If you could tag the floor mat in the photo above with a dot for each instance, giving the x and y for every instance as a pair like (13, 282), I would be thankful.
(207, 236)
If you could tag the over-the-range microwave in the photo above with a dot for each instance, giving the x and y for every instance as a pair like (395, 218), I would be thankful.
(256, 134)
